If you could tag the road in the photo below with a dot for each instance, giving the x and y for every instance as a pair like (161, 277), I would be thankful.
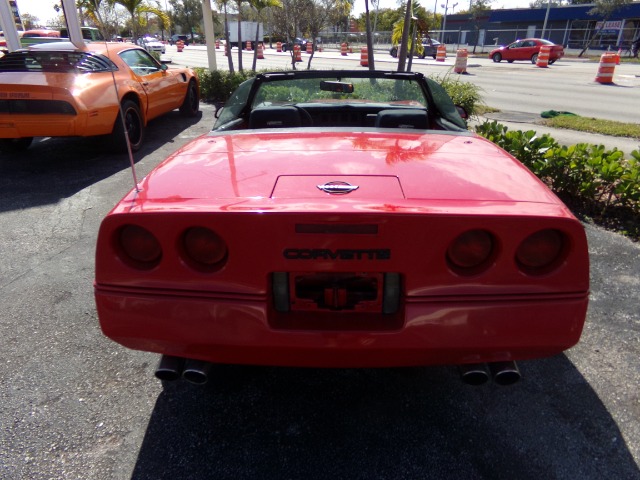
(74, 405)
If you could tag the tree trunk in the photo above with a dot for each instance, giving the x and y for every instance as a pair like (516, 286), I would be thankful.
(402, 51)
(369, 36)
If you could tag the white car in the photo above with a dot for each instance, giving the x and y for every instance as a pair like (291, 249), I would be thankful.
(151, 44)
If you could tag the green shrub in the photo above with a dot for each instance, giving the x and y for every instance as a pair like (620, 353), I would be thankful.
(589, 173)
(463, 94)
(218, 85)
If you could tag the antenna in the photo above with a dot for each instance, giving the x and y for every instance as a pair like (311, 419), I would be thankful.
(124, 125)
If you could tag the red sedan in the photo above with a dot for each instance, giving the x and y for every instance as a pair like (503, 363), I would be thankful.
(342, 219)
(526, 49)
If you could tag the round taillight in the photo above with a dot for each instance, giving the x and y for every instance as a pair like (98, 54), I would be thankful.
(471, 251)
(204, 247)
(540, 251)
(140, 246)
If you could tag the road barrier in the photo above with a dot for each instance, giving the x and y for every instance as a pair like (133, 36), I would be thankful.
(260, 51)
(606, 68)
(297, 55)
(309, 48)
(343, 49)
(543, 56)
(364, 57)
(180, 45)
(279, 47)
(248, 45)
(461, 61)
(441, 53)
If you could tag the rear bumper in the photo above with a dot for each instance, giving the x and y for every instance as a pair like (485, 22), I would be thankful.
(240, 331)
(19, 126)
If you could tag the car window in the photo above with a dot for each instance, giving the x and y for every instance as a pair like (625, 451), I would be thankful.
(140, 62)
(444, 104)
(52, 61)
(235, 103)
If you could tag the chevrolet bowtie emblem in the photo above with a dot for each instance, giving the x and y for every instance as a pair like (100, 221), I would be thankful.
(338, 188)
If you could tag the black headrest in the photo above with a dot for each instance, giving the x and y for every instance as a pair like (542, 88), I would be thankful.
(274, 117)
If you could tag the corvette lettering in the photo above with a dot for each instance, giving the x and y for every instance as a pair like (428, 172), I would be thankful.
(339, 254)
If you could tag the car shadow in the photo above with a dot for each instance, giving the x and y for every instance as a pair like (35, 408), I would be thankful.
(55, 168)
(273, 423)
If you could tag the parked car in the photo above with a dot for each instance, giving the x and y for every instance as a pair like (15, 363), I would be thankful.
(429, 49)
(57, 90)
(301, 42)
(526, 49)
(175, 38)
(151, 44)
(357, 223)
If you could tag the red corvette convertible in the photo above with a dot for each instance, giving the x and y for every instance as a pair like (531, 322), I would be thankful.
(342, 219)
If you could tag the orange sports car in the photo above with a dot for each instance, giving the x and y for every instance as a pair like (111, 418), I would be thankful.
(58, 90)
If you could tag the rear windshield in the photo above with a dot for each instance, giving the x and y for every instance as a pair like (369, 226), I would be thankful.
(58, 62)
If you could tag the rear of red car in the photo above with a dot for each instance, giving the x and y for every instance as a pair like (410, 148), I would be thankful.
(288, 259)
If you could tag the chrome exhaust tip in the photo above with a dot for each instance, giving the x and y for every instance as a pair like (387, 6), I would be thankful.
(196, 371)
(169, 368)
(505, 373)
(474, 374)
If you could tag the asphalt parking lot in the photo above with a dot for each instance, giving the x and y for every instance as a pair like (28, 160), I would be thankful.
(74, 405)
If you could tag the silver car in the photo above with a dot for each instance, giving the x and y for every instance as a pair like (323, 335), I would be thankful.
(151, 44)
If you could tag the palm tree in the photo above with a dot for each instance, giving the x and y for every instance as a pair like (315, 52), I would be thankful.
(227, 45)
(369, 36)
(239, 4)
(260, 5)
(138, 7)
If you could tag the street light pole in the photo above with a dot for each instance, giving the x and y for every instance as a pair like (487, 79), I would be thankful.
(444, 19)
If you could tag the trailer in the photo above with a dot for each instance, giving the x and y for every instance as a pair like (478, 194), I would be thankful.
(247, 32)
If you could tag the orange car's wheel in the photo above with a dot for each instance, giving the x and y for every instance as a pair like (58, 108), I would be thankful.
(11, 145)
(134, 125)
(191, 104)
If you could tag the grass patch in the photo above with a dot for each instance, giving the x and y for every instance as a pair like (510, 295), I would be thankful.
(594, 125)
(484, 109)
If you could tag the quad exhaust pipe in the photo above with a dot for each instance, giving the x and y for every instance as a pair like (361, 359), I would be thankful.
(172, 368)
(196, 371)
(169, 368)
(503, 373)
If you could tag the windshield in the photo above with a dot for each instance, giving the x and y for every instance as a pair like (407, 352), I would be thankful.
(325, 98)
(341, 90)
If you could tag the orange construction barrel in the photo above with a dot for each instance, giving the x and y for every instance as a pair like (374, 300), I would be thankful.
(606, 68)
(260, 51)
(248, 45)
(461, 61)
(279, 47)
(309, 47)
(343, 49)
(297, 55)
(364, 57)
(441, 53)
(180, 45)
(543, 56)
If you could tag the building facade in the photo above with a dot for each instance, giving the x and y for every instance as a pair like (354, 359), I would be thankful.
(572, 26)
